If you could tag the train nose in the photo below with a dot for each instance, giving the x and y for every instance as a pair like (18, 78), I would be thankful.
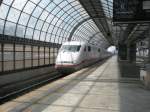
(69, 58)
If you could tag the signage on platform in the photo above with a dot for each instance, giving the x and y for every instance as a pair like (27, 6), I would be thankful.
(131, 11)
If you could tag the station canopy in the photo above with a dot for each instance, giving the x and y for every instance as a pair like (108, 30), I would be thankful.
(55, 21)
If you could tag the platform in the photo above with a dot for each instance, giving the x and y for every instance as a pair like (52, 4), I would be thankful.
(98, 88)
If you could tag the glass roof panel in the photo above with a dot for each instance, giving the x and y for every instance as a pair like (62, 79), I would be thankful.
(35, 1)
(67, 7)
(24, 19)
(50, 18)
(70, 11)
(13, 15)
(50, 7)
(39, 24)
(63, 4)
(108, 7)
(29, 33)
(61, 13)
(44, 3)
(75, 3)
(32, 22)
(37, 12)
(20, 31)
(8, 2)
(45, 27)
(54, 21)
(19, 4)
(42, 36)
(29, 7)
(57, 1)
(43, 20)
(56, 10)
(4, 10)
(10, 28)
(44, 15)
(1, 26)
(36, 35)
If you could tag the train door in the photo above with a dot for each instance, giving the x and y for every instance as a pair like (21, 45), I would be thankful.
(85, 54)
(89, 53)
(99, 52)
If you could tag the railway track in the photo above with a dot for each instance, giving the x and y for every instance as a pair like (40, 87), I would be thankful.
(13, 90)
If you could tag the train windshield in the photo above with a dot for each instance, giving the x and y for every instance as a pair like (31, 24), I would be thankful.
(71, 48)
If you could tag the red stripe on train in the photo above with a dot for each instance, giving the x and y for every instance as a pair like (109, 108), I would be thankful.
(73, 65)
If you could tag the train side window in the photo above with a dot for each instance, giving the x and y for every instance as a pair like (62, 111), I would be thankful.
(78, 48)
(89, 48)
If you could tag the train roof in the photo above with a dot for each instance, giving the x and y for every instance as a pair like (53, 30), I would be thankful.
(74, 43)
(80, 43)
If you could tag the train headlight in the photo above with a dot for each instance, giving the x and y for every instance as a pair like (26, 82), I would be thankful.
(74, 62)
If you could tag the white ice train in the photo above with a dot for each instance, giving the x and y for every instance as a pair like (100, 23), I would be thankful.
(75, 55)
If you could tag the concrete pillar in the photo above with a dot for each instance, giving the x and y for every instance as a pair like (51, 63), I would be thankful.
(131, 53)
(127, 55)
(122, 51)
(149, 50)
(147, 79)
(145, 76)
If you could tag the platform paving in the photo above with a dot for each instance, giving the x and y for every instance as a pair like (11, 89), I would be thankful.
(98, 88)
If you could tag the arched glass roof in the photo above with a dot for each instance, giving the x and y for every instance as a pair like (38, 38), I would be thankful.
(31, 31)
(108, 8)
(89, 31)
(44, 20)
